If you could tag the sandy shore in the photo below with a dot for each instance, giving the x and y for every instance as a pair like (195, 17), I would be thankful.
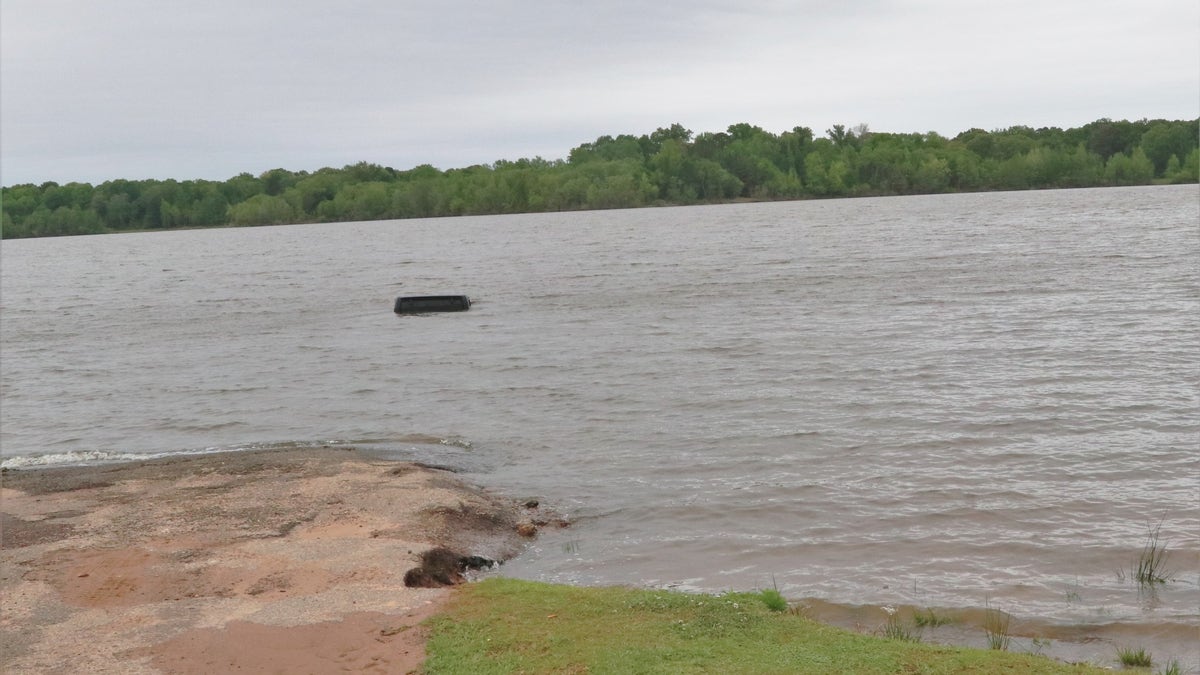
(279, 561)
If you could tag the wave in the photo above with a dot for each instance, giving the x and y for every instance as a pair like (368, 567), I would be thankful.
(90, 457)
(86, 457)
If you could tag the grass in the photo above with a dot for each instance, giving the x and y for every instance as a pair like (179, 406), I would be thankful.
(1151, 566)
(511, 626)
(1074, 595)
(995, 625)
(896, 629)
(773, 599)
(928, 619)
(1172, 668)
(1131, 658)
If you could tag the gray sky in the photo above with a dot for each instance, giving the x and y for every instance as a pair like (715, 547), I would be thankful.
(92, 91)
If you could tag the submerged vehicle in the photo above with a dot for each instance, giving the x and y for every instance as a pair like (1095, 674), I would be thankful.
(421, 304)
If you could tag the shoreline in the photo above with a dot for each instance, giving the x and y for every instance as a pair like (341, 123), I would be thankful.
(263, 559)
(299, 560)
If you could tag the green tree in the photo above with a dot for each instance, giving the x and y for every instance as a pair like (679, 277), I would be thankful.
(619, 191)
(931, 175)
(709, 145)
(1166, 139)
(978, 142)
(309, 191)
(669, 169)
(366, 172)
(275, 181)
(712, 182)
(172, 216)
(20, 200)
(1106, 137)
(965, 167)
(119, 212)
(608, 148)
(652, 143)
(1189, 169)
(262, 209)
(883, 164)
(794, 146)
(840, 136)
(1081, 168)
(1132, 170)
(10, 229)
(668, 166)
(210, 209)
(1013, 142)
(827, 174)
(755, 157)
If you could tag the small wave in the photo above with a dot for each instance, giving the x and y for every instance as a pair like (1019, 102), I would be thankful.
(82, 457)
(238, 390)
(201, 428)
(86, 457)
(416, 439)
(798, 433)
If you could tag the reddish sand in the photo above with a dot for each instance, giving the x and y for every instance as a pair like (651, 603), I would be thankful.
(254, 562)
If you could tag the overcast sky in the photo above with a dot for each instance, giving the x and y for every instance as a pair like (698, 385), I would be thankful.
(92, 91)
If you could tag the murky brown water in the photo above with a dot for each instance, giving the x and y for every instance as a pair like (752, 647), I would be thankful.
(928, 401)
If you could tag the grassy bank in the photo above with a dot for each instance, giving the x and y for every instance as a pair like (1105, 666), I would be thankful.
(511, 626)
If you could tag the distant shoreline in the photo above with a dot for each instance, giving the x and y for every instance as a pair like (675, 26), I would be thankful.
(670, 167)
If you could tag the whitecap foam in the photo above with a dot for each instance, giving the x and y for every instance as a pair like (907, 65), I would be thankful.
(86, 457)
(83, 457)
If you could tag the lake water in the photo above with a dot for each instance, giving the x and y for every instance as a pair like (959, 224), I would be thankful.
(943, 401)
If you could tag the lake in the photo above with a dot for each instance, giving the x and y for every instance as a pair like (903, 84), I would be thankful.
(943, 401)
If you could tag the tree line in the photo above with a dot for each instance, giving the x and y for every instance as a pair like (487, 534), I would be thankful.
(671, 166)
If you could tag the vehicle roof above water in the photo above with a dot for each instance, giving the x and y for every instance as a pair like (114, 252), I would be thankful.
(432, 303)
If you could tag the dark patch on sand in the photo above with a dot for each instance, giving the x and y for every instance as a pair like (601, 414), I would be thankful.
(18, 533)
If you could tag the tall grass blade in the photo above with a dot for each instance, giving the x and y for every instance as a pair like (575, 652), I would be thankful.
(995, 625)
(1151, 566)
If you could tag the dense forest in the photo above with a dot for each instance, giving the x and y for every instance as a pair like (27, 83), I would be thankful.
(669, 166)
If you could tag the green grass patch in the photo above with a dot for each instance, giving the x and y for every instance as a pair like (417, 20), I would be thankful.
(512, 626)
(773, 599)
(1134, 658)
(930, 619)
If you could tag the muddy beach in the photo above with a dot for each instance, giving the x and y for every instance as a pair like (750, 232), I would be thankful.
(262, 561)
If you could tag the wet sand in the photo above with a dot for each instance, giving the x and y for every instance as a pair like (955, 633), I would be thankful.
(270, 561)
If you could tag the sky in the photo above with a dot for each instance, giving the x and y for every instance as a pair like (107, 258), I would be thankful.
(94, 91)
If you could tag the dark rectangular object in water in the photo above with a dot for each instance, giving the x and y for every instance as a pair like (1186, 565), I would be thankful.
(420, 304)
